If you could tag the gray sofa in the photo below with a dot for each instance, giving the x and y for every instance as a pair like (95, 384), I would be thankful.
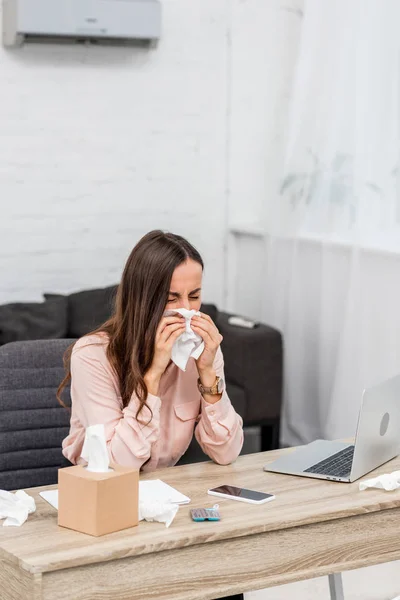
(33, 425)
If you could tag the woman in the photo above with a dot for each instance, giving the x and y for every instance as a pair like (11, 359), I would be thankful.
(122, 374)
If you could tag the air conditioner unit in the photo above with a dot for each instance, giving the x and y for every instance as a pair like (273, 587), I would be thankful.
(112, 20)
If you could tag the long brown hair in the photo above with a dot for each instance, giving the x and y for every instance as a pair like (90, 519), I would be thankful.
(139, 306)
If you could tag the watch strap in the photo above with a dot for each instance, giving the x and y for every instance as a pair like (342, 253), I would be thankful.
(213, 390)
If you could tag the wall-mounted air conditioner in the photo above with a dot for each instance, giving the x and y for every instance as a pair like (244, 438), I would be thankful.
(111, 20)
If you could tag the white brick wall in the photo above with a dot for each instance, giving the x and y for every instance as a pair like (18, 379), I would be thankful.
(99, 145)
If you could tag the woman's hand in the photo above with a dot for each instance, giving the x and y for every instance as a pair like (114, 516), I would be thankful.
(168, 331)
(204, 326)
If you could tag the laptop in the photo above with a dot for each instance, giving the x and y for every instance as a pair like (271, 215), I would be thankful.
(377, 441)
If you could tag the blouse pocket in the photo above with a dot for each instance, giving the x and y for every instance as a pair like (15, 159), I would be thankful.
(188, 411)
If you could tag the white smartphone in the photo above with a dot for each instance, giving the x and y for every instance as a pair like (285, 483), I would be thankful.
(242, 494)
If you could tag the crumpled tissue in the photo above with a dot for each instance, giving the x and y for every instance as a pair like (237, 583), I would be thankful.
(388, 482)
(188, 344)
(15, 507)
(164, 512)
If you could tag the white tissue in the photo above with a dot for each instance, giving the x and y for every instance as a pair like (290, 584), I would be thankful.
(15, 508)
(189, 344)
(94, 449)
(388, 482)
(164, 512)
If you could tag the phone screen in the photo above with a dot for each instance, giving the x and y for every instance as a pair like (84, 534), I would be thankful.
(231, 490)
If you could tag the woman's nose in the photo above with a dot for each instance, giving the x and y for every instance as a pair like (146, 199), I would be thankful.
(184, 303)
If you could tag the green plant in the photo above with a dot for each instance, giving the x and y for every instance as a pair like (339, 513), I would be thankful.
(332, 182)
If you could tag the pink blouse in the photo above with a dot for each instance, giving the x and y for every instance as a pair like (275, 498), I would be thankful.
(160, 443)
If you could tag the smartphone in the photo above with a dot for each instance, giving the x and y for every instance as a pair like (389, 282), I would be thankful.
(242, 494)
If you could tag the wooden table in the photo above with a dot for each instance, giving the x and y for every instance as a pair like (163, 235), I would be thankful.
(313, 528)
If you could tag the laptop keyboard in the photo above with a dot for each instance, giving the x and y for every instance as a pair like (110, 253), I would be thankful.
(337, 465)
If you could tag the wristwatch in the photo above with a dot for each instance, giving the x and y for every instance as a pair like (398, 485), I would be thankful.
(215, 389)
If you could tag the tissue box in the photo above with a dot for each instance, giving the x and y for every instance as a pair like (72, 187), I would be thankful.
(98, 503)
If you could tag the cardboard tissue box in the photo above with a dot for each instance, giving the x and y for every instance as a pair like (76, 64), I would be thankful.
(96, 499)
(98, 503)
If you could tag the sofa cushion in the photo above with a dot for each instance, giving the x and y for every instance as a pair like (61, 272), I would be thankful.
(33, 320)
(211, 310)
(254, 361)
(88, 309)
(237, 396)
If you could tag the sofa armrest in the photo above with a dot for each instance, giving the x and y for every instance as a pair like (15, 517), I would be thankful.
(254, 361)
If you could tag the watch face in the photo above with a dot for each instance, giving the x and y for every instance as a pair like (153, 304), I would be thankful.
(221, 385)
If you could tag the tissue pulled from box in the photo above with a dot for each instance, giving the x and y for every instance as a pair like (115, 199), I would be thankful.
(94, 450)
(164, 512)
(388, 482)
(15, 508)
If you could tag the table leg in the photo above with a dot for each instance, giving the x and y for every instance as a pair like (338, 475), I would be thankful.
(336, 586)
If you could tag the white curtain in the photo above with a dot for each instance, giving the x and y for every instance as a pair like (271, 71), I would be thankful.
(332, 284)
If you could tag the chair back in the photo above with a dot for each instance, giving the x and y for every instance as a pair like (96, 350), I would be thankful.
(32, 422)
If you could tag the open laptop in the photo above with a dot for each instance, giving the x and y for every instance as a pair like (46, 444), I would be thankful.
(377, 441)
